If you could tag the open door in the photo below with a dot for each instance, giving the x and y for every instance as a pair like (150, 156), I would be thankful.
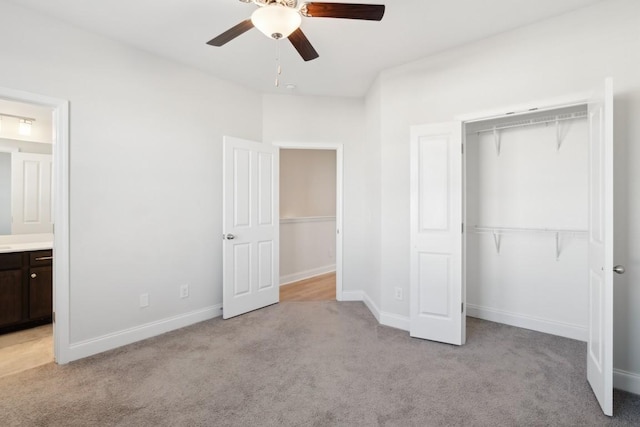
(436, 233)
(250, 226)
(600, 339)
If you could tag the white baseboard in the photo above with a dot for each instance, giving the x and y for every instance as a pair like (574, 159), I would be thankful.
(627, 381)
(294, 277)
(362, 296)
(395, 321)
(373, 308)
(352, 296)
(384, 318)
(552, 327)
(97, 345)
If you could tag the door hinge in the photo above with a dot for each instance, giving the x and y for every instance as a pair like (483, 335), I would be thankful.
(462, 228)
(462, 148)
(53, 317)
(462, 308)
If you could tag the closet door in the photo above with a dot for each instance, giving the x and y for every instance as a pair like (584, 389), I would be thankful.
(600, 339)
(436, 235)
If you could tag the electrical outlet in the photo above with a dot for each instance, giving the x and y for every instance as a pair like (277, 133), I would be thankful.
(184, 291)
(398, 293)
(144, 300)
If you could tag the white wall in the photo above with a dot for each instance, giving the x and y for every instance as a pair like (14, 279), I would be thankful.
(307, 248)
(145, 166)
(328, 120)
(307, 183)
(567, 54)
(26, 146)
(372, 248)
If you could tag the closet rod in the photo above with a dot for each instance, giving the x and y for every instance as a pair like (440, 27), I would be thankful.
(479, 229)
(531, 122)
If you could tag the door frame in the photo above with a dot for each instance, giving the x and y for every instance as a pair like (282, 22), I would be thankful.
(338, 148)
(583, 98)
(61, 285)
(513, 110)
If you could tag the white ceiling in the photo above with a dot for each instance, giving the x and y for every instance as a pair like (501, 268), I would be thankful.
(351, 52)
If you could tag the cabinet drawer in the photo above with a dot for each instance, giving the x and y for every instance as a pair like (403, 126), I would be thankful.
(41, 257)
(10, 261)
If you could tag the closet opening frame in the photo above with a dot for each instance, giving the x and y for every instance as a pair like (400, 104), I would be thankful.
(508, 111)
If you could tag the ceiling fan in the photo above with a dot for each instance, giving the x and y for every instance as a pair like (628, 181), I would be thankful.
(280, 19)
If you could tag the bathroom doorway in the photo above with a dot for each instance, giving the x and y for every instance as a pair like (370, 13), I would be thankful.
(34, 144)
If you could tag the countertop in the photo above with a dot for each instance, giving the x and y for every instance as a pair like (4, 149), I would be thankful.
(22, 247)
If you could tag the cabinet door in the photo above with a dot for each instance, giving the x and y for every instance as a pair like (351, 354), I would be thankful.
(40, 292)
(10, 297)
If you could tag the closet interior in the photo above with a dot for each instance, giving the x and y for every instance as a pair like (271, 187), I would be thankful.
(526, 220)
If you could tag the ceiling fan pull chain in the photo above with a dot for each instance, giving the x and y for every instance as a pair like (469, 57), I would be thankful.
(278, 68)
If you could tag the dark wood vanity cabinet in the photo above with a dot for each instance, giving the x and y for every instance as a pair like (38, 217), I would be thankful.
(10, 296)
(40, 284)
(26, 286)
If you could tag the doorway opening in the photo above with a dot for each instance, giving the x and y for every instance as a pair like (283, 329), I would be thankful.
(525, 249)
(26, 236)
(34, 239)
(310, 222)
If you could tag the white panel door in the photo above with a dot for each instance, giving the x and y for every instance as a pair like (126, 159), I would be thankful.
(600, 339)
(436, 235)
(250, 226)
(31, 195)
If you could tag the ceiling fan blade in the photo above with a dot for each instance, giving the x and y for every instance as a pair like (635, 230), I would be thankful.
(302, 45)
(370, 12)
(231, 33)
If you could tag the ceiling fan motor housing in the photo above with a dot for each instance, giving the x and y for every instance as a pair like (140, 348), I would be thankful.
(276, 21)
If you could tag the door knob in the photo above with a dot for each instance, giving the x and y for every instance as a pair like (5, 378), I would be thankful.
(229, 236)
(34, 275)
(619, 269)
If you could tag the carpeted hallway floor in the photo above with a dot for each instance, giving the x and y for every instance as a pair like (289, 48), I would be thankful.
(317, 364)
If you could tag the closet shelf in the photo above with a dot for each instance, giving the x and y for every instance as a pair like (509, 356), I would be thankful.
(555, 119)
(484, 229)
(497, 233)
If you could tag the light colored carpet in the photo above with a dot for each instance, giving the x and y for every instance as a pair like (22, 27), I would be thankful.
(317, 364)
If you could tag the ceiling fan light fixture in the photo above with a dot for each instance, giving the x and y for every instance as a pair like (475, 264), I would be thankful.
(276, 21)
